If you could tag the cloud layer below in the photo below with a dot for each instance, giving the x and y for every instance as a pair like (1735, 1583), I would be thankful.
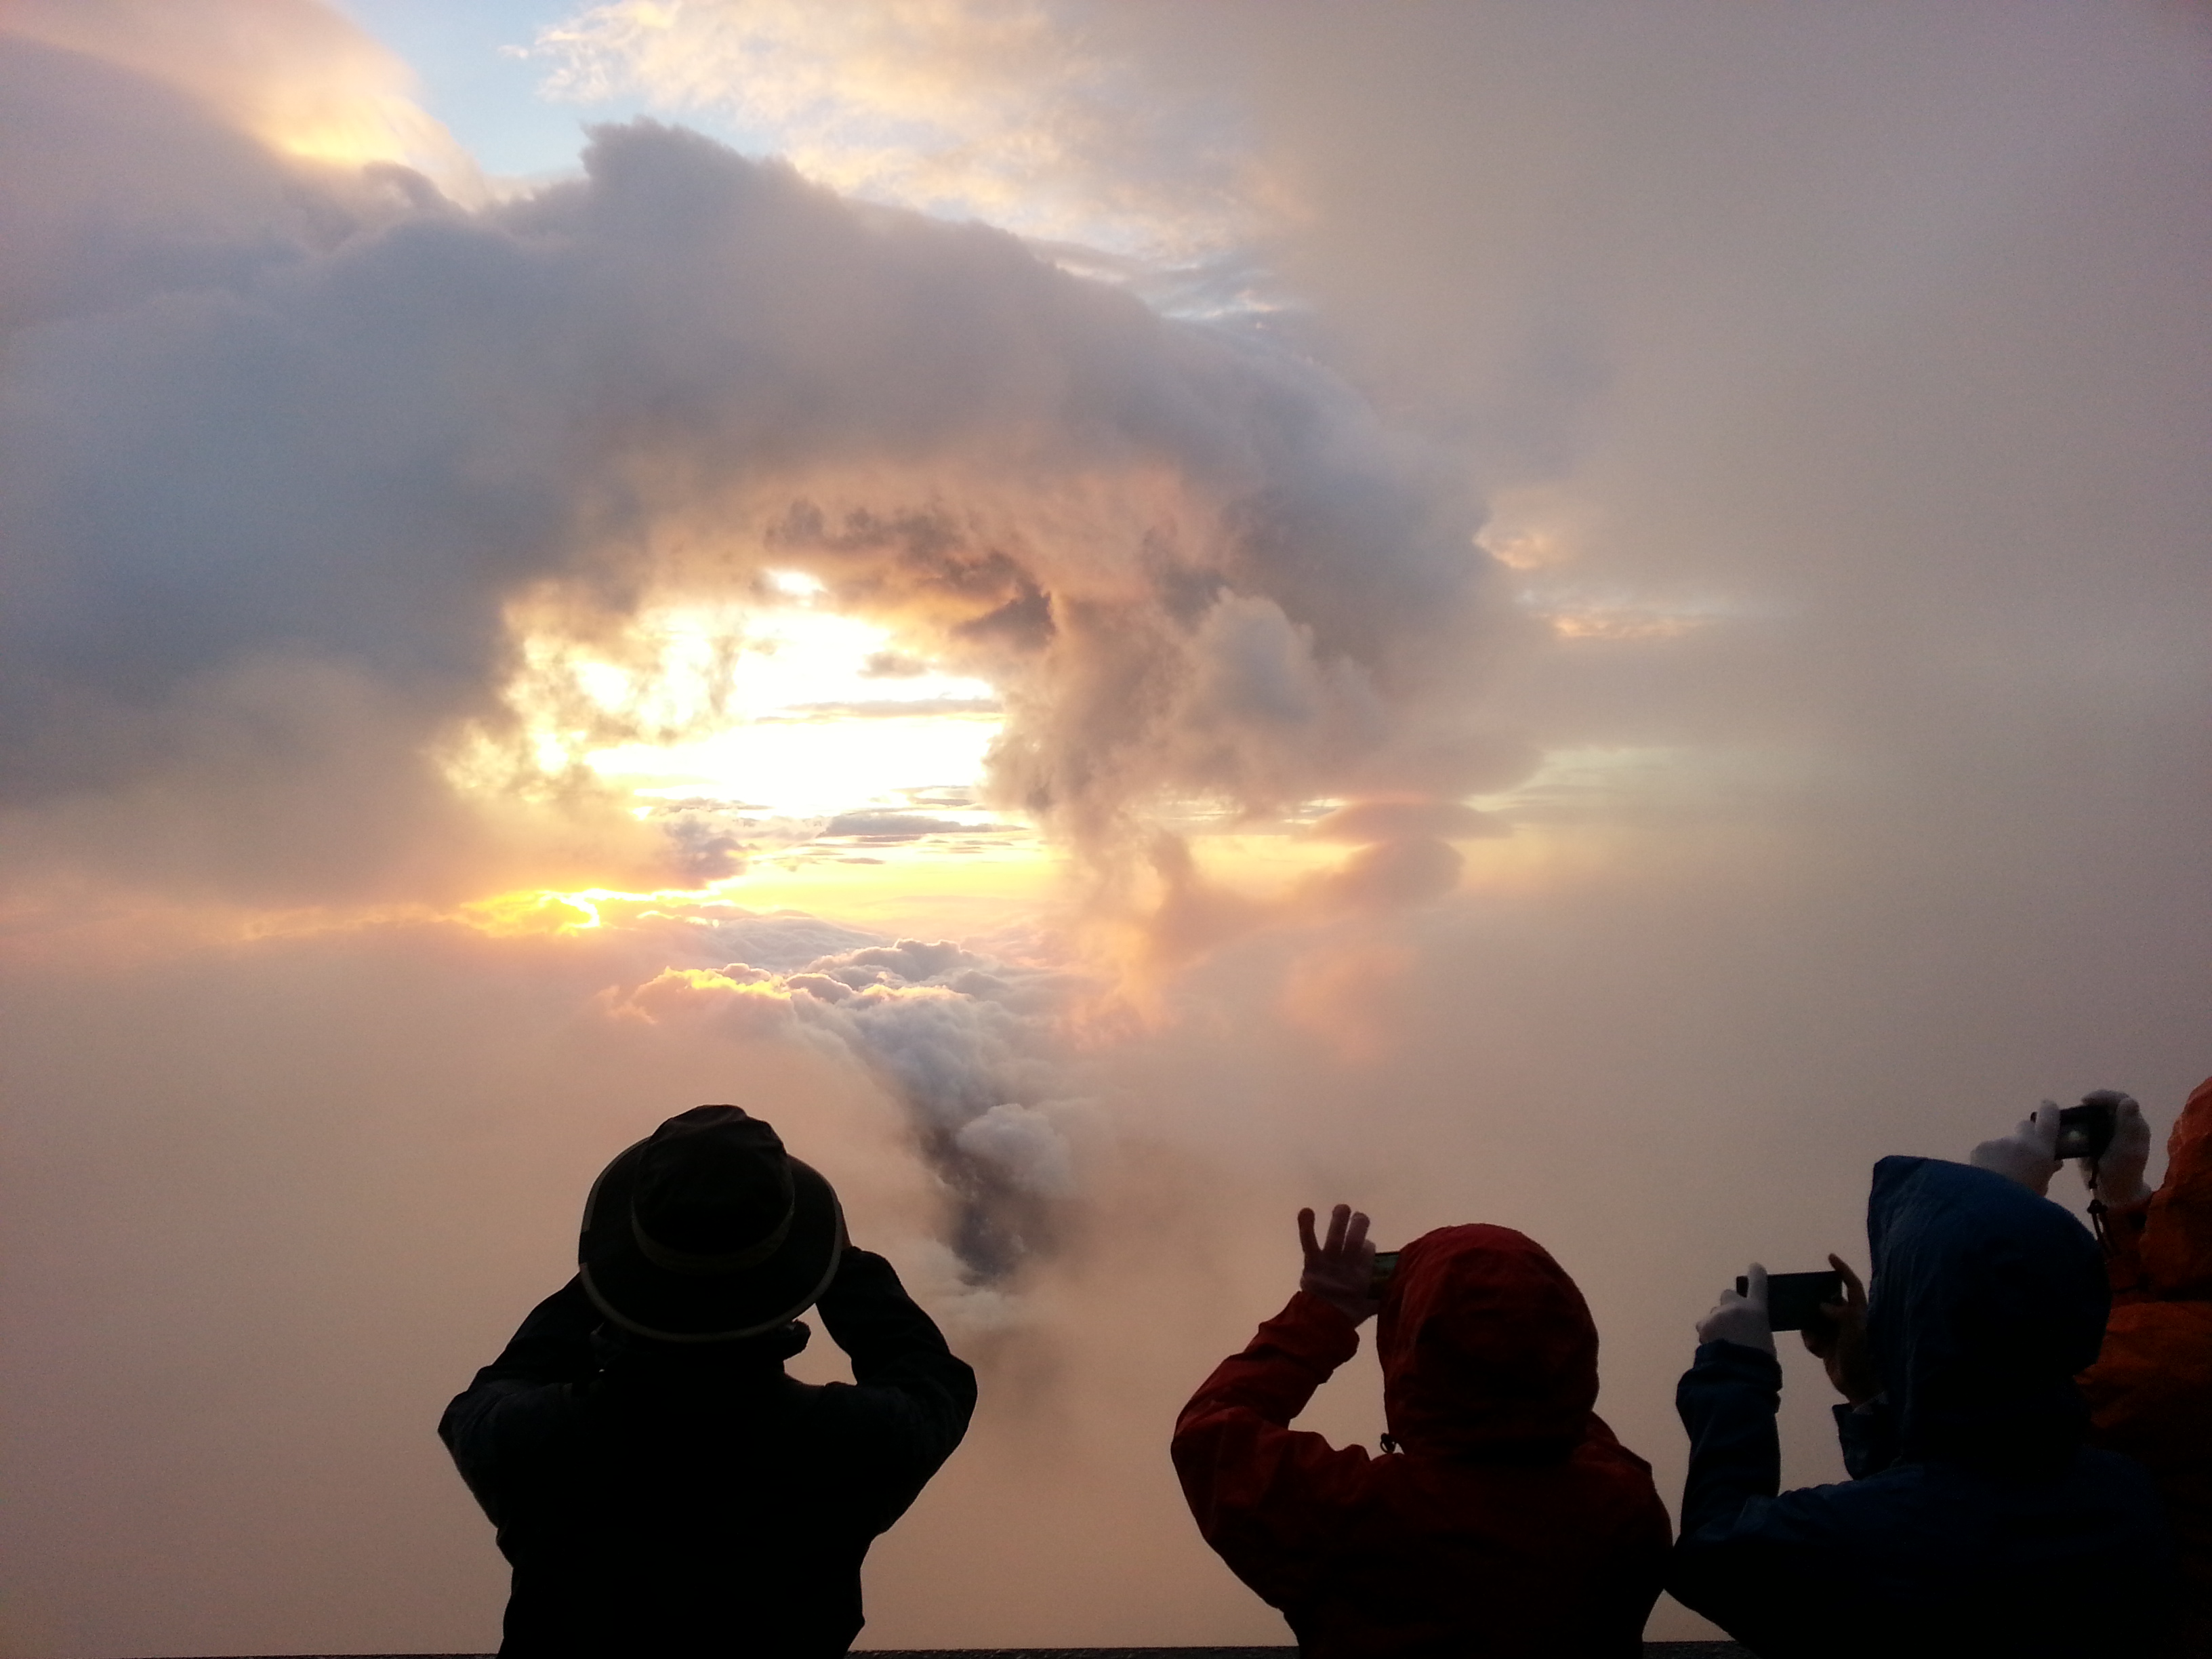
(1804, 761)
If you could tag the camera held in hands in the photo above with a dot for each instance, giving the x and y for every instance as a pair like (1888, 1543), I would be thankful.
(1793, 1300)
(1386, 1263)
(2085, 1131)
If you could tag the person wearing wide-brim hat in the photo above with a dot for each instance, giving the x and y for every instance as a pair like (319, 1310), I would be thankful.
(658, 1483)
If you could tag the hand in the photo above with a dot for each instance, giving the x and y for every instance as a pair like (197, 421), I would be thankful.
(2027, 1155)
(1840, 1343)
(1741, 1319)
(2119, 1169)
(1341, 1272)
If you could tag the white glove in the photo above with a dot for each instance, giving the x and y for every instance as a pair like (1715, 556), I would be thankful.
(1740, 1318)
(2119, 1170)
(2027, 1155)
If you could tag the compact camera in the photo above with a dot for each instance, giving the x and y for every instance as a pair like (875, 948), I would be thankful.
(1386, 1263)
(1793, 1300)
(2086, 1130)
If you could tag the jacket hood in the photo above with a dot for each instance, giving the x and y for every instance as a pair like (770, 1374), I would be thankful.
(2176, 1239)
(1487, 1348)
(1986, 1302)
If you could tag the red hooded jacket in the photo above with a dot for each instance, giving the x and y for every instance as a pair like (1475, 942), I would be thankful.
(1511, 1522)
(2150, 1391)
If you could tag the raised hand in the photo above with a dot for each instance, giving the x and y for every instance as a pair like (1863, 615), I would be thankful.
(1340, 1271)
(2028, 1154)
(2119, 1169)
(1740, 1318)
(1841, 1342)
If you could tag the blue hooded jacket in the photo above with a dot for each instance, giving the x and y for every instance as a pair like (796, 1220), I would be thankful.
(1977, 1520)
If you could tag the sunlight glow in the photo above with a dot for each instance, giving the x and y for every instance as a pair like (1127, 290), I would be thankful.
(806, 714)
(768, 734)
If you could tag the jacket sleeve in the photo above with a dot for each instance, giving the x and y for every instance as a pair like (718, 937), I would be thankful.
(1729, 1562)
(1727, 1400)
(525, 1397)
(911, 1397)
(1263, 1494)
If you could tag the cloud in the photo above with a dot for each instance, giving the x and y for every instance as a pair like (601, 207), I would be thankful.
(968, 1044)
(294, 75)
(1367, 822)
(892, 825)
(1874, 340)
(363, 433)
(1012, 111)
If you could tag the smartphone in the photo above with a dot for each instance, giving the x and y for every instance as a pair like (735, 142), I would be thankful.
(1386, 1263)
(2086, 1130)
(1793, 1300)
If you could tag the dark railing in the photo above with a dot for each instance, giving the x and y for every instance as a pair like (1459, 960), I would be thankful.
(1651, 1651)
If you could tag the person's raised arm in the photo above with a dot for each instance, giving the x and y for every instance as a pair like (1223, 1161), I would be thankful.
(1258, 1489)
(2029, 1155)
(523, 1394)
(1727, 1401)
(900, 1358)
(1293, 1353)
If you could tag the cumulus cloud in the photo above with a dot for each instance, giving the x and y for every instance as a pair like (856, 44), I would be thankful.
(1019, 112)
(282, 427)
(1841, 674)
(967, 1044)
(294, 75)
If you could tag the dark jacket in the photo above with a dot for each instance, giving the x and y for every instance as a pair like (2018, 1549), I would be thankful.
(1511, 1522)
(2150, 1391)
(1976, 1520)
(676, 1499)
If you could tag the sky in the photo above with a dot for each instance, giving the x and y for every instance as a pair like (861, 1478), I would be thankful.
(1123, 618)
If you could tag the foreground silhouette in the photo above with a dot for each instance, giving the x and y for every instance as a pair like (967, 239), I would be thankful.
(661, 1486)
(2150, 1391)
(1509, 1521)
(1977, 1521)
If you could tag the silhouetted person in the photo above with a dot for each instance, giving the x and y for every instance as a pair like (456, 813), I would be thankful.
(1507, 1521)
(1977, 1520)
(660, 1486)
(2150, 1391)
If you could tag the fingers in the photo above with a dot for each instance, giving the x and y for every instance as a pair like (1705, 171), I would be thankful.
(2039, 1129)
(1755, 1288)
(2130, 1133)
(1347, 1231)
(1855, 1297)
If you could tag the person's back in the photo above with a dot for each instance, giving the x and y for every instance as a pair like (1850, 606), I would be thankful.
(2150, 1391)
(1977, 1520)
(658, 1483)
(1508, 1522)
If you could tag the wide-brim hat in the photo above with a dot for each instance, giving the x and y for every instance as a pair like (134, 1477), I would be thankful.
(707, 1231)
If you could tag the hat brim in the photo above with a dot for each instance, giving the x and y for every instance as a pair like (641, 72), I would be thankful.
(675, 1307)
